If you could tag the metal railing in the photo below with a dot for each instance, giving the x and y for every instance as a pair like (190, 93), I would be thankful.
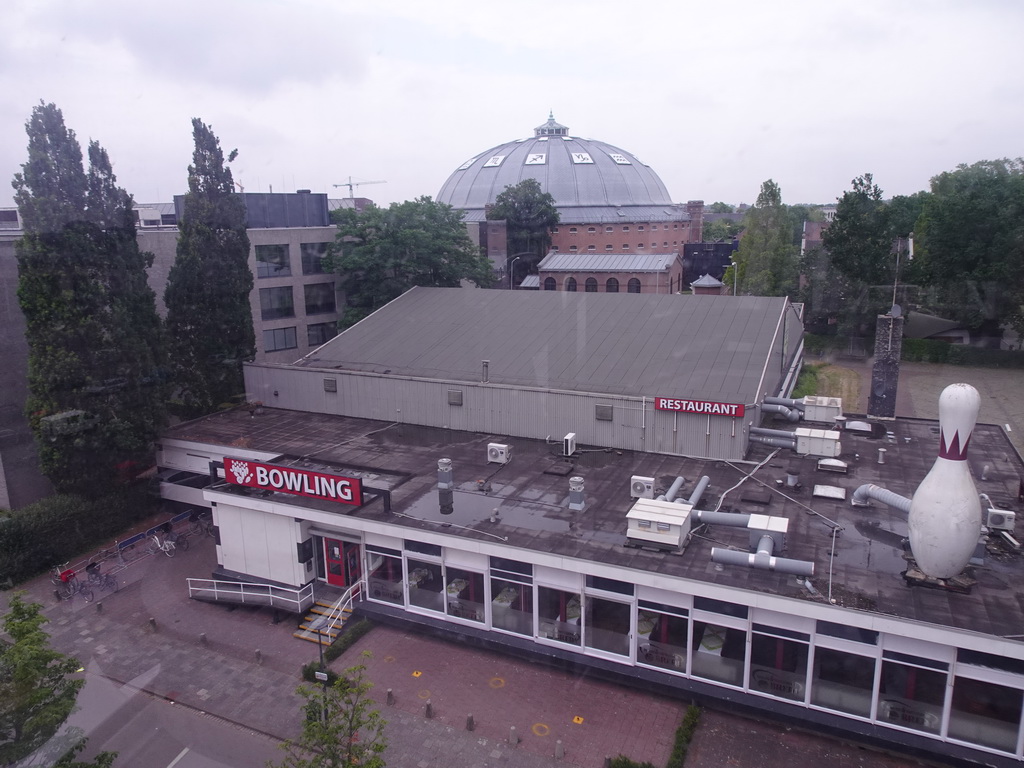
(336, 617)
(288, 598)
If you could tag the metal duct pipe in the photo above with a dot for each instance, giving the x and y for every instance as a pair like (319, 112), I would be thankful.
(762, 561)
(736, 519)
(772, 432)
(790, 414)
(777, 442)
(702, 486)
(673, 489)
(870, 491)
(786, 401)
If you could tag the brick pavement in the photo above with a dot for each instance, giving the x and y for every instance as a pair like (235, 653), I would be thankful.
(223, 679)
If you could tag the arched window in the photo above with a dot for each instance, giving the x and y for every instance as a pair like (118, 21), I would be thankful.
(633, 286)
(550, 284)
(591, 285)
(570, 285)
(612, 286)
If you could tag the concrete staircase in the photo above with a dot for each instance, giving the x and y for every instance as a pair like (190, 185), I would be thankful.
(323, 623)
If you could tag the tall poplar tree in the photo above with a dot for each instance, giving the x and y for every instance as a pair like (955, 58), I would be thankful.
(209, 320)
(767, 259)
(95, 346)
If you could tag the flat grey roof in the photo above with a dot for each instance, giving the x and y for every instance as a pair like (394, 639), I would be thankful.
(607, 262)
(531, 495)
(712, 347)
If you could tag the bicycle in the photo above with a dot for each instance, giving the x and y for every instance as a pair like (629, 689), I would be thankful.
(99, 579)
(169, 545)
(67, 585)
(200, 522)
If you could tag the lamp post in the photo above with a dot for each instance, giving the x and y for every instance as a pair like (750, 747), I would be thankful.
(511, 271)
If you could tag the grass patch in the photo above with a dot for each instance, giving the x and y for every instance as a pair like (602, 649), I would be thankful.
(807, 381)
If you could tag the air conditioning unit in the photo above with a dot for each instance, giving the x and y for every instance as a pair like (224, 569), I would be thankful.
(498, 453)
(641, 487)
(1000, 519)
(569, 444)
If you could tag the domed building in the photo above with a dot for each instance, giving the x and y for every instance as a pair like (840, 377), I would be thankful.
(609, 201)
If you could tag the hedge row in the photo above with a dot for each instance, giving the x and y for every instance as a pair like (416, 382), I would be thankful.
(342, 643)
(60, 528)
(925, 351)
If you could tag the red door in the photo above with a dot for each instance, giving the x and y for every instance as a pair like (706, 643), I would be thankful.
(342, 560)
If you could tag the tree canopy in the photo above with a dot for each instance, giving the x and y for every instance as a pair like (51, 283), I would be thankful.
(380, 253)
(969, 244)
(341, 729)
(767, 258)
(209, 319)
(529, 214)
(95, 343)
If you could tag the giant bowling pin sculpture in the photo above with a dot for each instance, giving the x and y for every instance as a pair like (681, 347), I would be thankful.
(945, 512)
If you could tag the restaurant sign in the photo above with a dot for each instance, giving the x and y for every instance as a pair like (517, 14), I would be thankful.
(301, 482)
(710, 407)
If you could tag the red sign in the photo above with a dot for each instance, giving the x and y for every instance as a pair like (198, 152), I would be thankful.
(301, 482)
(710, 407)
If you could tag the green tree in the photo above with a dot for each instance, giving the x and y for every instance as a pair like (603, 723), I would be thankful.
(719, 207)
(37, 692)
(859, 240)
(209, 320)
(529, 213)
(342, 727)
(767, 258)
(720, 231)
(380, 253)
(969, 244)
(95, 344)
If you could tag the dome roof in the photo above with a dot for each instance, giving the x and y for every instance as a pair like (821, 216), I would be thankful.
(578, 173)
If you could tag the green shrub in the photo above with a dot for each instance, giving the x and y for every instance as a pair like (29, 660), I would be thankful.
(61, 527)
(684, 735)
(624, 762)
(309, 673)
(807, 381)
(347, 639)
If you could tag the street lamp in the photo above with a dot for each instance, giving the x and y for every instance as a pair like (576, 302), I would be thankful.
(511, 271)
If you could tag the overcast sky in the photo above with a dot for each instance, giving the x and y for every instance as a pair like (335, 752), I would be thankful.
(716, 97)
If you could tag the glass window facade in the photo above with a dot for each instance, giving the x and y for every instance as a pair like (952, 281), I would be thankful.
(273, 261)
(319, 298)
(843, 681)
(559, 613)
(312, 258)
(320, 333)
(426, 587)
(633, 286)
(276, 303)
(279, 338)
(465, 594)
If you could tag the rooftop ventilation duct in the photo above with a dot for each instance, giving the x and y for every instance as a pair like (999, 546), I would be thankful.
(576, 493)
(698, 492)
(657, 524)
(786, 401)
(863, 495)
(673, 490)
(444, 473)
(766, 534)
(790, 414)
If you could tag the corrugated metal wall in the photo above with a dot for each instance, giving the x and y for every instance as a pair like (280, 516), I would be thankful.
(498, 410)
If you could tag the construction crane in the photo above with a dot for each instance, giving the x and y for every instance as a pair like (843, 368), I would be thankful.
(353, 184)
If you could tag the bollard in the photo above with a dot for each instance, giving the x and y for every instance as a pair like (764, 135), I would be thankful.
(203, 639)
(152, 623)
(99, 607)
(259, 656)
(470, 725)
(559, 750)
(607, 762)
(429, 710)
(391, 698)
(513, 738)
